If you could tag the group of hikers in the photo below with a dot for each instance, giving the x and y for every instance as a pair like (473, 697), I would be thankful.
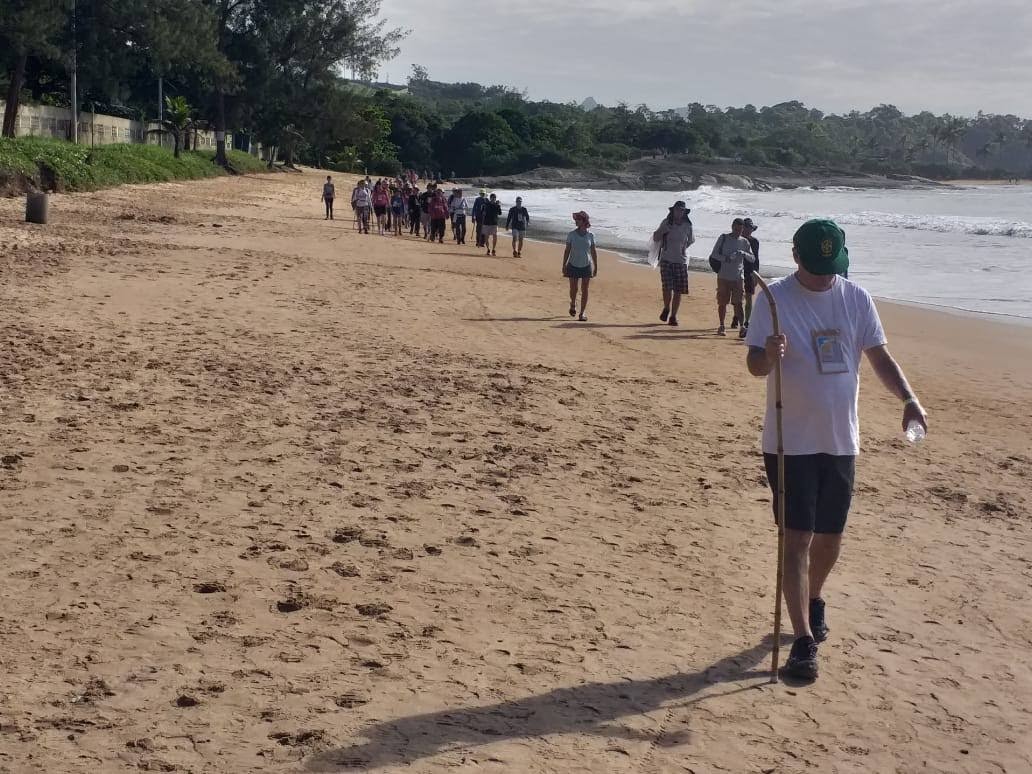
(827, 326)
(735, 258)
(398, 203)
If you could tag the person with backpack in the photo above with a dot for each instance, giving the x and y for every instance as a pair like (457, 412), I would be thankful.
(748, 227)
(674, 237)
(327, 195)
(517, 221)
(580, 262)
(381, 200)
(361, 201)
(492, 212)
(478, 216)
(457, 208)
(438, 208)
(424, 209)
(397, 210)
(413, 210)
(728, 258)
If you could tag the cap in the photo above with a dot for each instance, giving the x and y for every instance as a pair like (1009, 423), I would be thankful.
(483, 192)
(680, 204)
(821, 247)
(749, 224)
(737, 222)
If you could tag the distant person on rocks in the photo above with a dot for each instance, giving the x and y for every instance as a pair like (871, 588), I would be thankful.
(327, 195)
(730, 253)
(517, 221)
(362, 202)
(458, 208)
(413, 210)
(827, 324)
(438, 215)
(674, 236)
(492, 212)
(580, 262)
(748, 229)
(478, 216)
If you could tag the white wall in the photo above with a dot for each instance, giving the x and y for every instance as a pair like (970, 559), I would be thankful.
(96, 128)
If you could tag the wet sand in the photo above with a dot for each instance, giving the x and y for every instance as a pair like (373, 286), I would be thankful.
(277, 496)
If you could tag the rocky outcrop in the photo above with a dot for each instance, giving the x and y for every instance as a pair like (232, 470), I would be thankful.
(674, 174)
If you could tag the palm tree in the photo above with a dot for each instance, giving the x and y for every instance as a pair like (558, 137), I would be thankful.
(176, 122)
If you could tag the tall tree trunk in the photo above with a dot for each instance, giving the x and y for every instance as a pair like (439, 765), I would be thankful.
(220, 128)
(13, 93)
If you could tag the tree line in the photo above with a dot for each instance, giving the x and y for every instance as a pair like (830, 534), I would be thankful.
(270, 69)
(474, 130)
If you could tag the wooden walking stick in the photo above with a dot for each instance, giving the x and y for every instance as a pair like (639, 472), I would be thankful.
(776, 327)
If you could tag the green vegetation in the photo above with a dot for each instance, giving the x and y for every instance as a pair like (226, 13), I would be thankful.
(66, 167)
(475, 130)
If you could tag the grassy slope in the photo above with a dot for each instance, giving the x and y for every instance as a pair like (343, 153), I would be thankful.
(27, 162)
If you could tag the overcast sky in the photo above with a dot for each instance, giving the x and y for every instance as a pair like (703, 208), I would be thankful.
(836, 55)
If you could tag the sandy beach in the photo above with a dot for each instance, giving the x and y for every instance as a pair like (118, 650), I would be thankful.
(277, 496)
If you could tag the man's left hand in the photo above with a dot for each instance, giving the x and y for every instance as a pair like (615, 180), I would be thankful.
(914, 411)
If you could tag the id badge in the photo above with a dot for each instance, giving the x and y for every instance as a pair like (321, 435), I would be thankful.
(831, 355)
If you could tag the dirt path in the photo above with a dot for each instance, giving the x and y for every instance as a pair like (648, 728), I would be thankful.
(279, 497)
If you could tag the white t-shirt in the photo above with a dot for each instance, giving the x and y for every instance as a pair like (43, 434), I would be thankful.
(819, 410)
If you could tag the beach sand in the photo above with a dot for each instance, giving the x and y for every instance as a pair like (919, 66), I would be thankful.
(280, 497)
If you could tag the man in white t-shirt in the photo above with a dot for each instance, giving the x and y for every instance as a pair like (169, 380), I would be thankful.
(827, 322)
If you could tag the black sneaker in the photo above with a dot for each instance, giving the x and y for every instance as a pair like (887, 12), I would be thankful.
(802, 660)
(673, 321)
(818, 625)
(734, 323)
(664, 314)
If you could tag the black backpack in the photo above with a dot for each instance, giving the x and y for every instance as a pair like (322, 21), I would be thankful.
(715, 263)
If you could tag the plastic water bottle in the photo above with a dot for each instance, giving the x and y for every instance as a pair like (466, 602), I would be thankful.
(915, 431)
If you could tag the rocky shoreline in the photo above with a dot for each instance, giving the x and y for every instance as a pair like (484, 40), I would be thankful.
(671, 174)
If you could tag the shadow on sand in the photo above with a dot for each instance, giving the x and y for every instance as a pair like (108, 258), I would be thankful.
(583, 709)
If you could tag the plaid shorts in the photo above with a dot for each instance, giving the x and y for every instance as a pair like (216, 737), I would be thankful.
(674, 276)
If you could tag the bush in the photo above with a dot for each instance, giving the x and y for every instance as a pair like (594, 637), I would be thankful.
(385, 166)
(64, 166)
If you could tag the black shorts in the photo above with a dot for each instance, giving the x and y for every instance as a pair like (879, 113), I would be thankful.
(750, 283)
(818, 490)
(379, 209)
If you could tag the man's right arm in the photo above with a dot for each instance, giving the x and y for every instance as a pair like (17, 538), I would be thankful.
(760, 360)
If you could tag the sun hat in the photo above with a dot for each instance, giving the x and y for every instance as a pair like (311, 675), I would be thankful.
(582, 216)
(680, 204)
(749, 224)
(821, 247)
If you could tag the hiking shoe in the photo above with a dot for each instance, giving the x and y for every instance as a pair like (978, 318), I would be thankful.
(742, 333)
(818, 625)
(802, 660)
(664, 314)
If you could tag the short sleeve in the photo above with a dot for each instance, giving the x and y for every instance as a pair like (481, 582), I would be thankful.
(569, 238)
(870, 323)
(760, 324)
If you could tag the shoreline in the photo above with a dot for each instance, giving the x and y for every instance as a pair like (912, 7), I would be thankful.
(697, 266)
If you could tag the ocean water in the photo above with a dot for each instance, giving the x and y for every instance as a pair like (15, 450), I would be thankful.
(964, 248)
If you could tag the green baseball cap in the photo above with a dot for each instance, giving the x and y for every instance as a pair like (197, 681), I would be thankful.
(821, 246)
